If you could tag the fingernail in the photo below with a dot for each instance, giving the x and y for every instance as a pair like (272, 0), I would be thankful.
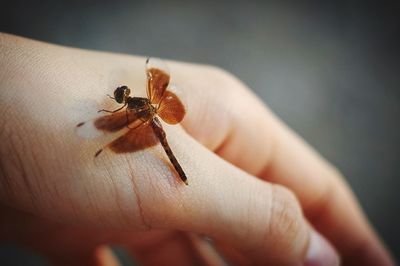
(320, 252)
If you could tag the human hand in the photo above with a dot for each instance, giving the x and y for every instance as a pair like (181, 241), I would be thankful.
(255, 188)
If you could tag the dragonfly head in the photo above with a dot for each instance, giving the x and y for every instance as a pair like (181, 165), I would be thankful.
(121, 94)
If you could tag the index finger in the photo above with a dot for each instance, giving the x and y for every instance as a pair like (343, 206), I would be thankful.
(247, 134)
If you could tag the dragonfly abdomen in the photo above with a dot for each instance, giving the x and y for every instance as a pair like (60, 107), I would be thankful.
(158, 130)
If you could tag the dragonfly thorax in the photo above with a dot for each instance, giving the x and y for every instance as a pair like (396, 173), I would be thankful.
(138, 103)
(141, 106)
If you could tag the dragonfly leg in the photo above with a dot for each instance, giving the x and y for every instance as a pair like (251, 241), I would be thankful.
(108, 111)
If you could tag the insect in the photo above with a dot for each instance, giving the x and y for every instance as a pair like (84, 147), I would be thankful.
(139, 116)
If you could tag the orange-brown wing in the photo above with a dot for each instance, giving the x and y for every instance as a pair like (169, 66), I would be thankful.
(157, 79)
(134, 139)
(171, 109)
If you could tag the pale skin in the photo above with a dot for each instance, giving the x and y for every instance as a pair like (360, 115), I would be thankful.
(255, 188)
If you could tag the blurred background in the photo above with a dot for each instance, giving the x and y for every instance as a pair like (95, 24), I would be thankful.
(329, 70)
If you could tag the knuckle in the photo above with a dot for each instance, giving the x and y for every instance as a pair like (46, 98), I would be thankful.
(224, 79)
(230, 89)
(220, 72)
(285, 211)
(224, 87)
(286, 224)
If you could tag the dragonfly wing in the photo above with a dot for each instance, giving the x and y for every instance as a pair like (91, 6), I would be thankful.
(171, 108)
(135, 139)
(157, 79)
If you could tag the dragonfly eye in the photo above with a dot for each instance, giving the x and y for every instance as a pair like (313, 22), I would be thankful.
(121, 94)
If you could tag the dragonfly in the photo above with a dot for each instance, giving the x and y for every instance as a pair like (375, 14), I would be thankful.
(139, 116)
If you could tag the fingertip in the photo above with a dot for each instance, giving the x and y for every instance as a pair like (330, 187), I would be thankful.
(320, 251)
(104, 256)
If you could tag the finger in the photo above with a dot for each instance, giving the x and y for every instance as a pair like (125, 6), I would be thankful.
(247, 134)
(231, 255)
(178, 249)
(207, 250)
(99, 256)
(104, 256)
